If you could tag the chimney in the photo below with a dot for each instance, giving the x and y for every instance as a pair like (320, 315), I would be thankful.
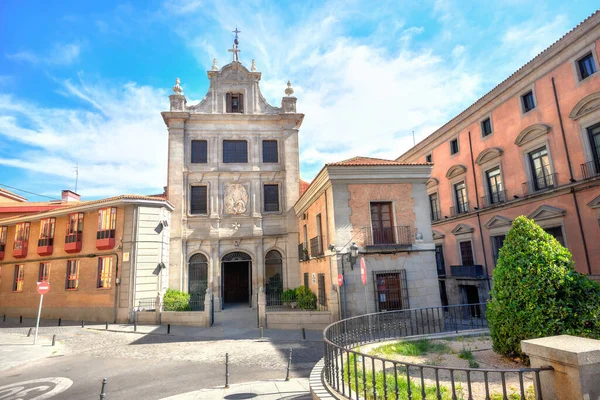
(69, 196)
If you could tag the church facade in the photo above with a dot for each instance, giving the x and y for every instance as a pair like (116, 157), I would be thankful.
(233, 178)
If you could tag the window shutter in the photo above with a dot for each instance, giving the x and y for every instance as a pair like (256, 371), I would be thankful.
(228, 102)
(241, 100)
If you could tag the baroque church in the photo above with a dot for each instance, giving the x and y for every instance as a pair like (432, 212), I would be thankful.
(233, 178)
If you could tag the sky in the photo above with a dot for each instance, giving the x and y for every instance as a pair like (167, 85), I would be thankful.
(82, 83)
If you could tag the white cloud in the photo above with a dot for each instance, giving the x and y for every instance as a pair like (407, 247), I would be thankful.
(60, 54)
(528, 39)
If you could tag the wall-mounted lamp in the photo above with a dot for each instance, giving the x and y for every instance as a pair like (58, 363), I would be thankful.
(350, 256)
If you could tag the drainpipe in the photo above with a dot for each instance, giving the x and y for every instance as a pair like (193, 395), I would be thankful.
(564, 137)
(477, 213)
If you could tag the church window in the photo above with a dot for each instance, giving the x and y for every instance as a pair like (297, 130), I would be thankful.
(199, 152)
(199, 200)
(270, 153)
(235, 151)
(271, 193)
(235, 103)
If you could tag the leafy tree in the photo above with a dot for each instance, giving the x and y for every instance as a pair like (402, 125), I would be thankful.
(176, 300)
(537, 292)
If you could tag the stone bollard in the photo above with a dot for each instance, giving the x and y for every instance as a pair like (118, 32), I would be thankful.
(576, 363)
(262, 308)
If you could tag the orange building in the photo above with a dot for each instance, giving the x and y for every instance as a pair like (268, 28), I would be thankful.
(531, 146)
(102, 258)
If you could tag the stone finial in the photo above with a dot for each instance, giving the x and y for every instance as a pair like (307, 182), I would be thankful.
(177, 89)
(253, 69)
(289, 90)
(214, 66)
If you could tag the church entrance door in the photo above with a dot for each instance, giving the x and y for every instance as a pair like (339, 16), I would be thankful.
(236, 272)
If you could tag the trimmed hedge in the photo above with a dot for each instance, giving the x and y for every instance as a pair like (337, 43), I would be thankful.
(537, 292)
(176, 300)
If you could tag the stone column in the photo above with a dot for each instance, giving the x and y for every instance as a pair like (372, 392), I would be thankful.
(262, 308)
(576, 363)
(208, 307)
(334, 306)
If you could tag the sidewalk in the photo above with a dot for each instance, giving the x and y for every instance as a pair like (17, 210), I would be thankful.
(296, 389)
(17, 350)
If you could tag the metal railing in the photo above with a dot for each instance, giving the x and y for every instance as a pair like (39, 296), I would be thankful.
(45, 242)
(316, 246)
(392, 236)
(472, 271)
(539, 183)
(147, 304)
(302, 252)
(590, 169)
(436, 215)
(355, 374)
(287, 301)
(459, 209)
(497, 197)
(105, 234)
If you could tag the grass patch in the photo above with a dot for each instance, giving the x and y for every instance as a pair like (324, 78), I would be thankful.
(413, 348)
(467, 354)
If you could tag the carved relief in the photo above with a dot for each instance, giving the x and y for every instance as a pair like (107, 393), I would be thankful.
(236, 199)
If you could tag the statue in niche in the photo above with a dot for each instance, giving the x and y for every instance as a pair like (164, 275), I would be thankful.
(236, 199)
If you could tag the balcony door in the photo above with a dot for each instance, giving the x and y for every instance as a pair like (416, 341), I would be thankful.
(594, 134)
(540, 169)
(381, 223)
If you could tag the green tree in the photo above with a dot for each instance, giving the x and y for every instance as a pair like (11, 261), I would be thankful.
(537, 292)
(176, 300)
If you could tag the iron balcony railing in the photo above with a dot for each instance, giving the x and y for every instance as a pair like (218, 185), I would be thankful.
(498, 197)
(302, 252)
(459, 209)
(45, 242)
(539, 183)
(467, 271)
(590, 169)
(436, 215)
(105, 234)
(392, 236)
(353, 373)
(316, 246)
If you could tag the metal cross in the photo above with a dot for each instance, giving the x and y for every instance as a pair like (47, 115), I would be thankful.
(236, 32)
(235, 52)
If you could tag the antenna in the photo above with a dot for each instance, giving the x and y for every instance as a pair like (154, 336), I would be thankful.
(76, 176)
(414, 142)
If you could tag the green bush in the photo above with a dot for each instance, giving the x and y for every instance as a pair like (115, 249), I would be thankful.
(288, 296)
(306, 298)
(176, 300)
(537, 292)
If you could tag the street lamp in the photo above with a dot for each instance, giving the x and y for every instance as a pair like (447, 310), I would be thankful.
(348, 256)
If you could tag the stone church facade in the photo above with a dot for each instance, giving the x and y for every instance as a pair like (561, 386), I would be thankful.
(233, 178)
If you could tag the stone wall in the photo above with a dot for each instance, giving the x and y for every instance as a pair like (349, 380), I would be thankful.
(190, 318)
(311, 320)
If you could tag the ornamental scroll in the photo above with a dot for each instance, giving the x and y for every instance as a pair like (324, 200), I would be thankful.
(236, 199)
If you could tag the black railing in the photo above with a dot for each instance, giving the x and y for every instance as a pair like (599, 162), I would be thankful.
(316, 246)
(72, 238)
(302, 252)
(590, 169)
(539, 183)
(197, 302)
(392, 236)
(436, 215)
(459, 209)
(497, 197)
(106, 234)
(147, 304)
(353, 373)
(288, 301)
(472, 271)
(45, 242)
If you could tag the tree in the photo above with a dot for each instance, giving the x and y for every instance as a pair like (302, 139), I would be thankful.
(537, 292)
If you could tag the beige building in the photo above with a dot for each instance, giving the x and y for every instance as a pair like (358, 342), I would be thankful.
(233, 177)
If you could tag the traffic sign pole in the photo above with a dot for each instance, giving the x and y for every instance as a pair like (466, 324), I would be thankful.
(37, 324)
(363, 275)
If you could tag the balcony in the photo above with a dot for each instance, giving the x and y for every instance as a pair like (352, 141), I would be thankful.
(73, 243)
(2, 247)
(460, 209)
(392, 238)
(45, 246)
(492, 199)
(540, 183)
(436, 215)
(316, 246)
(302, 252)
(20, 249)
(466, 271)
(105, 240)
(590, 169)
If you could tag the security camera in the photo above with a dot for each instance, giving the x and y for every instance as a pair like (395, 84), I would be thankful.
(332, 247)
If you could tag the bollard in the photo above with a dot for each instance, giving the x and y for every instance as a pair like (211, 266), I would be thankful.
(82, 324)
(53, 340)
(303, 334)
(29, 332)
(168, 329)
(59, 321)
(134, 326)
(226, 370)
(102, 394)
(4, 318)
(287, 375)
(20, 319)
(106, 325)
(261, 332)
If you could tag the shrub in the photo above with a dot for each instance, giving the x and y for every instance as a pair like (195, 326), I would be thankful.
(306, 298)
(288, 296)
(537, 292)
(176, 300)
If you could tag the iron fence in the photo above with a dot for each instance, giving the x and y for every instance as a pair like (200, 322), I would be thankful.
(316, 246)
(542, 181)
(147, 304)
(288, 301)
(590, 169)
(497, 197)
(391, 236)
(461, 208)
(302, 252)
(355, 374)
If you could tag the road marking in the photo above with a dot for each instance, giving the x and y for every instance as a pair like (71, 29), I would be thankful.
(35, 389)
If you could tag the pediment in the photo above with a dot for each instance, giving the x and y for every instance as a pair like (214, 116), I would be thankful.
(532, 132)
(497, 221)
(546, 212)
(488, 155)
(455, 171)
(431, 183)
(462, 229)
(585, 106)
(438, 235)
(595, 203)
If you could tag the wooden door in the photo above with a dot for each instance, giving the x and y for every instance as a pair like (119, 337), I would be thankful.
(381, 223)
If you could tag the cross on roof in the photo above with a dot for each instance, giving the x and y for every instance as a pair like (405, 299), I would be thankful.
(235, 49)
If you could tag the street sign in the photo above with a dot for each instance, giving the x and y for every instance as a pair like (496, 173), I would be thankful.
(363, 270)
(43, 287)
(340, 280)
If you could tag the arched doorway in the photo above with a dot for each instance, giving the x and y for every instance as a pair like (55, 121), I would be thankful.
(197, 280)
(273, 274)
(236, 278)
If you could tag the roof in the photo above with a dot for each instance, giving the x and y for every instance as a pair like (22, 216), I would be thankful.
(367, 161)
(303, 186)
(14, 196)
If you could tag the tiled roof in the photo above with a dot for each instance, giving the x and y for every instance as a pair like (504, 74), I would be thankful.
(11, 194)
(367, 161)
(303, 186)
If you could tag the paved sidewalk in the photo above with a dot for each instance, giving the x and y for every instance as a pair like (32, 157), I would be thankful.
(296, 389)
(17, 350)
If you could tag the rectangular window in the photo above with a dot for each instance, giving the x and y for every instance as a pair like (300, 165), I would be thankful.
(439, 260)
(104, 272)
(495, 189)
(72, 275)
(434, 206)
(18, 281)
(235, 102)
(466, 253)
(3, 232)
(235, 151)
(594, 138)
(199, 200)
(428, 158)
(199, 152)
(497, 243)
(557, 233)
(321, 290)
(107, 223)
(47, 232)
(586, 66)
(528, 101)
(382, 224)
(460, 192)
(271, 197)
(270, 152)
(540, 169)
(453, 146)
(21, 235)
(306, 281)
(486, 127)
(316, 243)
(74, 228)
(391, 290)
(44, 273)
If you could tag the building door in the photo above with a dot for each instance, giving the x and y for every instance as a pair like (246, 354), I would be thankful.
(391, 290)
(236, 278)
(197, 280)
(381, 223)
(470, 295)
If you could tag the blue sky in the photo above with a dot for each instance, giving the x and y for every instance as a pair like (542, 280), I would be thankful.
(83, 82)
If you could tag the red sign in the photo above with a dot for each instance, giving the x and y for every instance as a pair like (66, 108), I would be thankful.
(363, 270)
(340, 280)
(43, 287)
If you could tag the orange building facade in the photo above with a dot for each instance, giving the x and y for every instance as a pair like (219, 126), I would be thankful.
(531, 147)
